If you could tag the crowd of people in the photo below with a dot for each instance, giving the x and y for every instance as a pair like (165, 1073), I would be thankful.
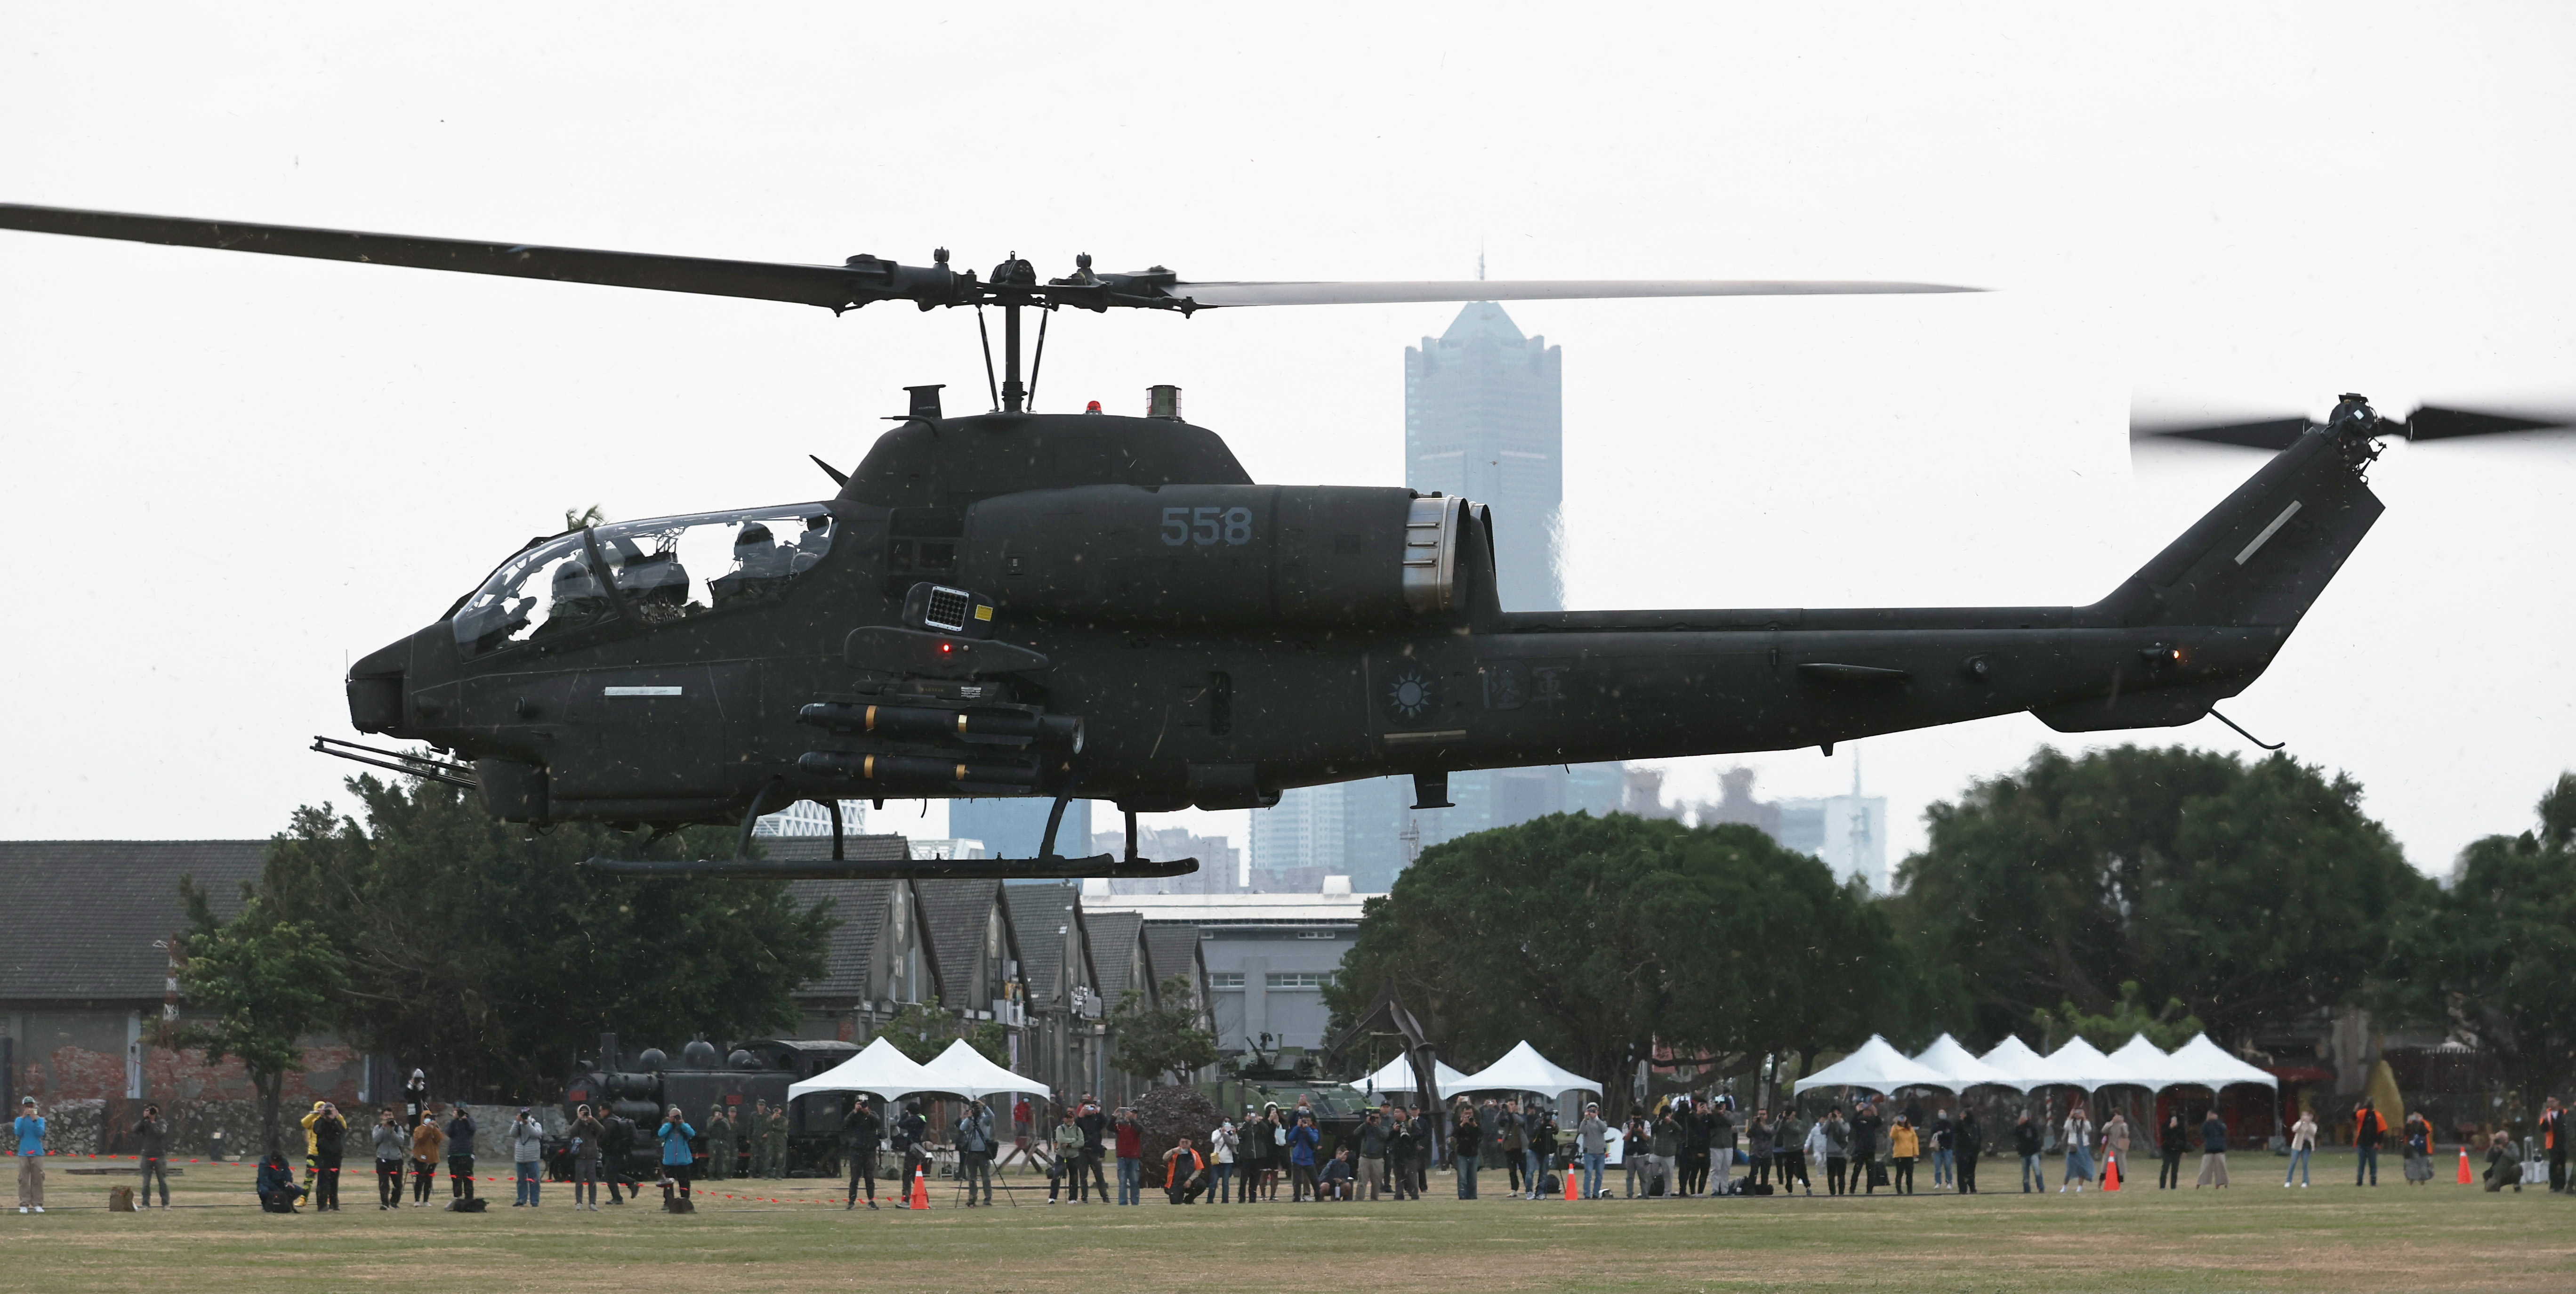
(1680, 1148)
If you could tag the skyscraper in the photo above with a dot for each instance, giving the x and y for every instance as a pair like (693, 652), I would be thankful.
(1484, 416)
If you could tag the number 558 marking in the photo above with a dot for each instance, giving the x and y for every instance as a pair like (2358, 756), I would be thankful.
(1205, 526)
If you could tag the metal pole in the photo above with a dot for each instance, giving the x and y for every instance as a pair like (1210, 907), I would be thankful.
(1013, 395)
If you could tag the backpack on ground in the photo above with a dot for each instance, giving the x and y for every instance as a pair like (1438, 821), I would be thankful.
(120, 1199)
(471, 1204)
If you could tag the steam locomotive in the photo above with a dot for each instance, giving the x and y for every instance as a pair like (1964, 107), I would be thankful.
(643, 1086)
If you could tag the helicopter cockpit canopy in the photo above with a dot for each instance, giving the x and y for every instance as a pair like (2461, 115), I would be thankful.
(660, 570)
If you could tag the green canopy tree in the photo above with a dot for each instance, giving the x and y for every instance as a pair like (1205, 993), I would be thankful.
(922, 1030)
(486, 956)
(1161, 1041)
(2492, 955)
(1597, 937)
(2168, 1028)
(2246, 892)
(258, 986)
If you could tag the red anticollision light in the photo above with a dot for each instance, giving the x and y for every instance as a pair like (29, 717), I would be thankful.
(945, 648)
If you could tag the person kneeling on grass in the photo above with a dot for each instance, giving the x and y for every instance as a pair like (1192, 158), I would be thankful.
(1336, 1183)
(1184, 1173)
(278, 1190)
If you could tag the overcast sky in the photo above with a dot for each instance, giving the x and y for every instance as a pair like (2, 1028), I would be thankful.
(225, 476)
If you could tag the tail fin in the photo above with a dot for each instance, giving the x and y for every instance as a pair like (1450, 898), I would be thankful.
(2255, 563)
(2261, 558)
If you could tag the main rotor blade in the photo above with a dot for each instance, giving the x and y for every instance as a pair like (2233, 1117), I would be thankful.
(2433, 422)
(834, 287)
(2267, 433)
(1349, 294)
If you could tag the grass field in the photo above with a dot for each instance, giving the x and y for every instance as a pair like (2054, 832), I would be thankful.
(2253, 1237)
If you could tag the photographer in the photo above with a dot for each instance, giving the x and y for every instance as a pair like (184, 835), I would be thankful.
(392, 1144)
(330, 1145)
(1184, 1173)
(587, 1135)
(1064, 1159)
(152, 1147)
(862, 1133)
(975, 1151)
(678, 1161)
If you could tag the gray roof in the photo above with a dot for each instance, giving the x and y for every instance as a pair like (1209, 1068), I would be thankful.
(957, 913)
(1113, 945)
(1174, 950)
(81, 915)
(860, 906)
(1041, 913)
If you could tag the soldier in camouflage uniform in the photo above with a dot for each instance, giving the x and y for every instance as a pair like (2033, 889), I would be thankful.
(778, 1142)
(720, 1135)
(755, 1138)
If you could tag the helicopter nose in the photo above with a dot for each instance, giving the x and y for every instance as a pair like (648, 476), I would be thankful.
(376, 688)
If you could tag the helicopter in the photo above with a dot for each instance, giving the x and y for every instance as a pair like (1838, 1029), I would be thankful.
(1014, 603)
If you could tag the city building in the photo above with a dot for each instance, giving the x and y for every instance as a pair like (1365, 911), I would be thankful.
(1014, 828)
(1221, 866)
(1267, 956)
(1484, 417)
(1849, 832)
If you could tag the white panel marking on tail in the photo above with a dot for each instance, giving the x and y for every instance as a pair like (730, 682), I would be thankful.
(2268, 532)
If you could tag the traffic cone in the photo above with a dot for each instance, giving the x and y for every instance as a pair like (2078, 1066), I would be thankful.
(920, 1191)
(2465, 1179)
(1572, 1171)
(2110, 1173)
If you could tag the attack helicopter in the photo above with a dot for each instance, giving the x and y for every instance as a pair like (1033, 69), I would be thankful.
(1090, 605)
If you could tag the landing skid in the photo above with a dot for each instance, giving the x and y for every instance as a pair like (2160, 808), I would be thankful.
(1008, 869)
(1048, 865)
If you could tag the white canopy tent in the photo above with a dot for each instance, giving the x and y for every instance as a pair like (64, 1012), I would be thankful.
(2203, 1063)
(1877, 1066)
(1397, 1076)
(1522, 1069)
(1960, 1065)
(2146, 1060)
(2023, 1068)
(2081, 1064)
(878, 1070)
(965, 1071)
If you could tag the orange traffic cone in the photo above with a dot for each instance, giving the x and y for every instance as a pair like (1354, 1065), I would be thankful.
(920, 1191)
(1572, 1171)
(2465, 1179)
(2110, 1173)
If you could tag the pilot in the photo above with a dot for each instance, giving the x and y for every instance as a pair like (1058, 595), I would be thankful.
(810, 547)
(655, 583)
(576, 598)
(760, 564)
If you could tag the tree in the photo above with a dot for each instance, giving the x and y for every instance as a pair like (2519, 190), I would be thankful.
(922, 1030)
(487, 956)
(260, 984)
(1594, 938)
(2246, 892)
(1161, 1041)
(2492, 955)
(2168, 1028)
